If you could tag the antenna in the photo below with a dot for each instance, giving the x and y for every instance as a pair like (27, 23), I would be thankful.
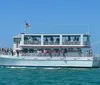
(88, 29)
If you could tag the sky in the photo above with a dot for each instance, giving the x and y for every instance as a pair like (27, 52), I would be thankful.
(50, 16)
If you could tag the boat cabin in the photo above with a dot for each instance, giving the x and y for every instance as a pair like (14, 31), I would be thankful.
(51, 43)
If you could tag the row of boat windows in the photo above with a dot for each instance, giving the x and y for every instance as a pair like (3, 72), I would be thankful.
(52, 39)
(48, 40)
(32, 39)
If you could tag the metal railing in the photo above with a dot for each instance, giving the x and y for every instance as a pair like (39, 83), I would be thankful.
(86, 43)
(33, 42)
(35, 54)
(55, 55)
(51, 43)
(71, 43)
(57, 43)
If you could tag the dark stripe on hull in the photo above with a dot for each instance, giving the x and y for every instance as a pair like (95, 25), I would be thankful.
(5, 66)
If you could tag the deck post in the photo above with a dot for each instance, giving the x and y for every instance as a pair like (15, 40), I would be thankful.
(81, 39)
(42, 39)
(60, 39)
(22, 40)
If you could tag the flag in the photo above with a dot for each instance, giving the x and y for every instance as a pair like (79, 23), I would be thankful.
(27, 25)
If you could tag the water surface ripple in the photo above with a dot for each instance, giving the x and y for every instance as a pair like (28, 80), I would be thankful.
(28, 76)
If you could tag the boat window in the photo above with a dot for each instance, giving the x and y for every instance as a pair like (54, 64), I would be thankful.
(25, 50)
(71, 40)
(51, 40)
(31, 50)
(86, 38)
(32, 39)
(17, 40)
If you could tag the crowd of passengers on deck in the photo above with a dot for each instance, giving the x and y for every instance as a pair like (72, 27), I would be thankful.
(57, 52)
(6, 51)
(46, 52)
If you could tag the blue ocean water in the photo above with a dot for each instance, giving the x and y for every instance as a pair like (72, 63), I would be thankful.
(31, 76)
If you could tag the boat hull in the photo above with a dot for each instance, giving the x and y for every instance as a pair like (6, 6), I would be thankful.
(25, 61)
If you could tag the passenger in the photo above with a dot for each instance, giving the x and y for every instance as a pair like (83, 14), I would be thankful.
(46, 39)
(69, 39)
(63, 52)
(52, 40)
(4, 51)
(17, 53)
(50, 53)
(38, 53)
(87, 53)
(45, 51)
(7, 51)
(57, 40)
(12, 52)
(77, 38)
(80, 53)
(90, 52)
(58, 52)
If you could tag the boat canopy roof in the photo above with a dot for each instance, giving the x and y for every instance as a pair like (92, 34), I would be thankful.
(58, 34)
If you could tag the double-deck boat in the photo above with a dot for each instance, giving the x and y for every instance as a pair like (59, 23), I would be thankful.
(50, 50)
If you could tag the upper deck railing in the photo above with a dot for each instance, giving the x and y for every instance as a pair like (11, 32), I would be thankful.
(51, 43)
(32, 42)
(71, 43)
(56, 43)
(86, 43)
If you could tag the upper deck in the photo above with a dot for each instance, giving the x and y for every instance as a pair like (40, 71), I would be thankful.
(52, 40)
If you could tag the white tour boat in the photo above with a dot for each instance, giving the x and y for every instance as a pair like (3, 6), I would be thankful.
(50, 50)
